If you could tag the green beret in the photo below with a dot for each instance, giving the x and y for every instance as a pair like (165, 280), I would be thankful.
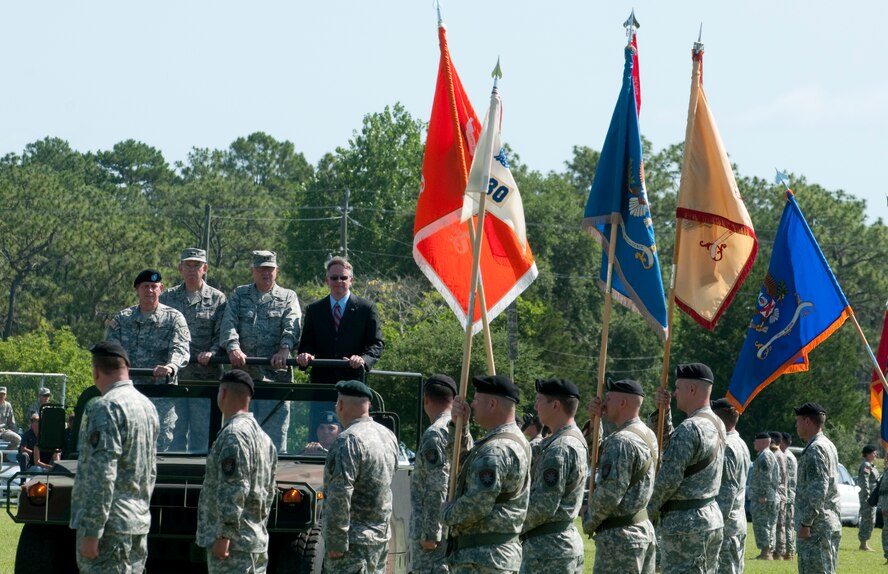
(354, 389)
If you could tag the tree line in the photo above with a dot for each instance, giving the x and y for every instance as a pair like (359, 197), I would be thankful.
(76, 227)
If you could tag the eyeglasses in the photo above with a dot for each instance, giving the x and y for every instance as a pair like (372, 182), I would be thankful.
(338, 277)
(193, 264)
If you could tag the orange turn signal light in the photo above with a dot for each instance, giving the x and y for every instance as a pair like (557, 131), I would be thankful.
(291, 496)
(37, 493)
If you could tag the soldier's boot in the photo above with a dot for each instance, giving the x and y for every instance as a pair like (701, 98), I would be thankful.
(765, 555)
(865, 547)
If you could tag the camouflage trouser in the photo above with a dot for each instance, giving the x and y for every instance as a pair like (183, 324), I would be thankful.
(628, 559)
(555, 565)
(789, 530)
(764, 523)
(192, 430)
(867, 520)
(819, 554)
(691, 552)
(276, 426)
(237, 563)
(885, 537)
(360, 559)
(118, 554)
(473, 569)
(730, 557)
(166, 412)
(779, 547)
(10, 437)
(428, 561)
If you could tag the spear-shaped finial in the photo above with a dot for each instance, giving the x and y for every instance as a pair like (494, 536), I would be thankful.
(497, 73)
(698, 45)
(781, 177)
(631, 24)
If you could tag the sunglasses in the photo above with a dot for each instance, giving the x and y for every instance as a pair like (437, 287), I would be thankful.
(338, 277)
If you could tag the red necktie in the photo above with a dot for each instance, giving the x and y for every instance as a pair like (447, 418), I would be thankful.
(337, 316)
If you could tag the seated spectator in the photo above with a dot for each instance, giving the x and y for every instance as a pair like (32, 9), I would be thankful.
(43, 396)
(30, 457)
(327, 430)
(8, 427)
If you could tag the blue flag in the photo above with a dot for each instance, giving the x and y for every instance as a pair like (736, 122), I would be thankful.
(618, 197)
(800, 306)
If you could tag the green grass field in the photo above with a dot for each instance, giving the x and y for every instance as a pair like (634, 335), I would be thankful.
(851, 560)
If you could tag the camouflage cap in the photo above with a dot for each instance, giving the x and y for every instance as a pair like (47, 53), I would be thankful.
(193, 254)
(2, 390)
(44, 392)
(147, 276)
(264, 259)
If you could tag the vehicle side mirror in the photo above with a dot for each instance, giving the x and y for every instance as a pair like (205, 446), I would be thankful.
(52, 427)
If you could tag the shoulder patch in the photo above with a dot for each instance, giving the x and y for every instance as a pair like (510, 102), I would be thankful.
(605, 470)
(431, 456)
(487, 477)
(94, 437)
(229, 465)
(550, 476)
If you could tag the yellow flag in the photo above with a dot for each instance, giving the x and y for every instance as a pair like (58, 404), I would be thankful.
(715, 243)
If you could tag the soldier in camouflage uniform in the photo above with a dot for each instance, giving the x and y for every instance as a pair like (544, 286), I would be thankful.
(817, 515)
(357, 487)
(262, 320)
(7, 422)
(552, 543)
(792, 466)
(202, 306)
(116, 470)
(779, 548)
(689, 478)
(156, 337)
(867, 479)
(616, 516)
(493, 484)
(239, 487)
(882, 486)
(763, 486)
(430, 478)
(732, 492)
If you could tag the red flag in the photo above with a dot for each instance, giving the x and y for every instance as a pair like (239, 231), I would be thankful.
(876, 385)
(441, 242)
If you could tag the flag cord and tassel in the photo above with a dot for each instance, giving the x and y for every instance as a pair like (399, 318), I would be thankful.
(602, 355)
(872, 357)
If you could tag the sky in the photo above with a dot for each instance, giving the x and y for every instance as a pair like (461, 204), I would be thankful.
(795, 85)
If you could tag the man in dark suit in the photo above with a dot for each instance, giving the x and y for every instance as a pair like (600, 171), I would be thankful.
(340, 326)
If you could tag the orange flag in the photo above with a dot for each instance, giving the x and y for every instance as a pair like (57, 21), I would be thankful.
(876, 384)
(441, 242)
(717, 245)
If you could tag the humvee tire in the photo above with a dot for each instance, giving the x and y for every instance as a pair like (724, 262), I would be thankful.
(45, 548)
(301, 554)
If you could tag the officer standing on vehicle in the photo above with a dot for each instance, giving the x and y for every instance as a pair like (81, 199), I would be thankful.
(763, 496)
(202, 306)
(558, 477)
(732, 492)
(430, 478)
(792, 466)
(239, 486)
(116, 469)
(156, 337)
(357, 486)
(817, 515)
(493, 484)
(617, 515)
(262, 320)
(867, 479)
(688, 482)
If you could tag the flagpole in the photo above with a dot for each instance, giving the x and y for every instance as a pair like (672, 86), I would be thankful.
(602, 354)
(670, 305)
(869, 351)
(473, 286)
(457, 131)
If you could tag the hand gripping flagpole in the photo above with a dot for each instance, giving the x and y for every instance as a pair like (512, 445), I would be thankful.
(631, 25)
(784, 179)
(670, 306)
(492, 117)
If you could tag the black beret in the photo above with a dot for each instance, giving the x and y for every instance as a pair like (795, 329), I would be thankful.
(354, 389)
(762, 435)
(809, 409)
(775, 437)
(786, 436)
(695, 371)
(557, 388)
(627, 386)
(868, 449)
(442, 381)
(147, 275)
(238, 376)
(109, 349)
(496, 385)
(328, 418)
(719, 404)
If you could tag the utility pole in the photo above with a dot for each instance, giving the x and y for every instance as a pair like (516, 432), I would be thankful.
(343, 225)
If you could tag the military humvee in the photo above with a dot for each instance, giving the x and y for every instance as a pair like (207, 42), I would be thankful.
(47, 544)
